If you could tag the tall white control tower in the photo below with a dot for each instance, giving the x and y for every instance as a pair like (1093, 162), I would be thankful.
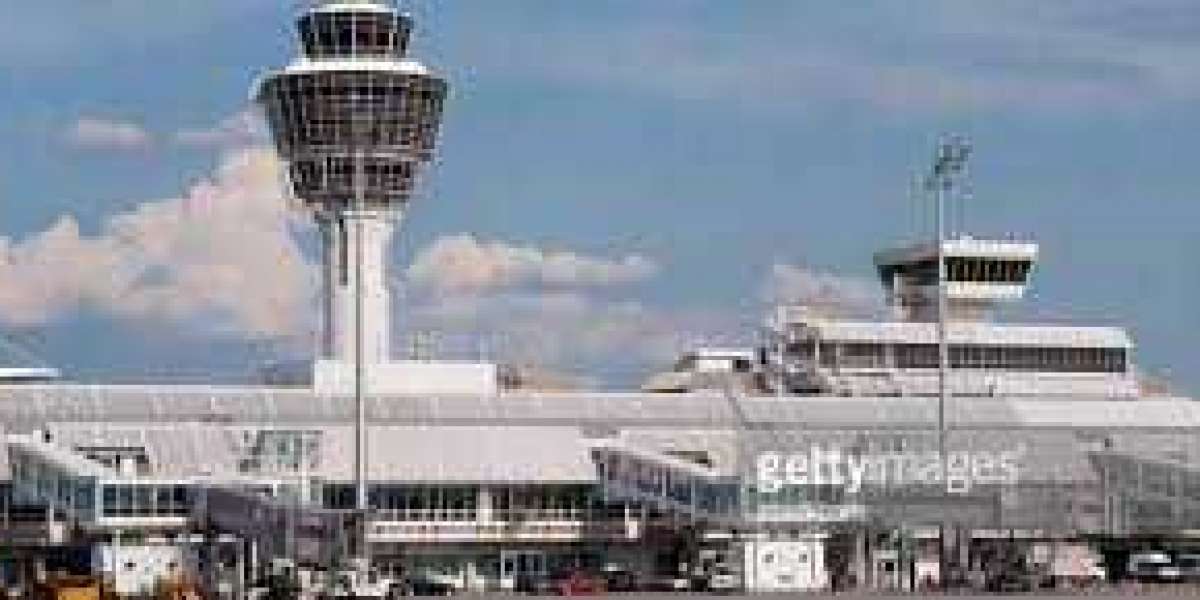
(354, 120)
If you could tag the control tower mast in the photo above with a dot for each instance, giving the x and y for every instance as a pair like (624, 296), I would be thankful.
(354, 120)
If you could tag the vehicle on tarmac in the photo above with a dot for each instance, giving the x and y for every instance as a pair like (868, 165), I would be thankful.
(1189, 567)
(723, 580)
(576, 582)
(1152, 567)
(429, 582)
(619, 579)
(1077, 568)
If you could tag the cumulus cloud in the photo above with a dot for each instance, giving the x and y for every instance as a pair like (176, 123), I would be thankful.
(459, 263)
(224, 259)
(550, 310)
(615, 340)
(243, 129)
(791, 284)
(221, 257)
(91, 133)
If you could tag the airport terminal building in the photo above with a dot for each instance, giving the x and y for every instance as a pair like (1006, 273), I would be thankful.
(493, 488)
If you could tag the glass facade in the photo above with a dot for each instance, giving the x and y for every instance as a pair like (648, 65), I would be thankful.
(369, 34)
(129, 500)
(1049, 359)
(350, 134)
(357, 130)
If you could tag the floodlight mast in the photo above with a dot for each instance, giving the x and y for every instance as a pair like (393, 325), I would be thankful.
(354, 120)
(948, 165)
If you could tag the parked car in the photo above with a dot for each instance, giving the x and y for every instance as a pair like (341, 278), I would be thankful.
(1189, 567)
(1152, 567)
(723, 580)
(667, 583)
(429, 583)
(619, 579)
(1077, 567)
(576, 582)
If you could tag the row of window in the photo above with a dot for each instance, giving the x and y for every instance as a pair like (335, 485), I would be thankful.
(53, 485)
(368, 34)
(375, 88)
(410, 122)
(463, 500)
(965, 269)
(336, 175)
(986, 270)
(145, 501)
(834, 355)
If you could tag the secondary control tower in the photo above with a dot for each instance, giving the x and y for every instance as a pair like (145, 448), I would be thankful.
(354, 120)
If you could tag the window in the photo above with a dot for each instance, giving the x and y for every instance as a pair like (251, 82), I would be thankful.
(828, 355)
(124, 502)
(109, 502)
(163, 501)
(143, 503)
(863, 356)
(983, 270)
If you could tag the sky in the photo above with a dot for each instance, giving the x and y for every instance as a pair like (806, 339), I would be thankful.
(617, 179)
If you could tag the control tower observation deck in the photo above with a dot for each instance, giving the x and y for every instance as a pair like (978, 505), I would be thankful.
(979, 275)
(354, 119)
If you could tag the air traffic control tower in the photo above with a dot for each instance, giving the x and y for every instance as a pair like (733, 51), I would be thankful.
(354, 120)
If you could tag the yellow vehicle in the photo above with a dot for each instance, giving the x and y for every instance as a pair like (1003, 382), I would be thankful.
(179, 588)
(71, 587)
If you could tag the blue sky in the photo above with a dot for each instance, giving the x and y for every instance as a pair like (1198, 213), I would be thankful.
(714, 140)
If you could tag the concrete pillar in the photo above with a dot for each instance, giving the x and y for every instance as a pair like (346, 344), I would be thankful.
(483, 506)
(253, 559)
(859, 558)
(338, 303)
(240, 576)
(474, 582)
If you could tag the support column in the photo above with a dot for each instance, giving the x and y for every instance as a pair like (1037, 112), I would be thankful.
(339, 238)
(860, 559)
(483, 509)
(240, 577)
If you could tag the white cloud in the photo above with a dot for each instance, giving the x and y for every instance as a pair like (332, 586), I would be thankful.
(243, 129)
(464, 263)
(790, 284)
(92, 133)
(221, 257)
(545, 309)
(616, 340)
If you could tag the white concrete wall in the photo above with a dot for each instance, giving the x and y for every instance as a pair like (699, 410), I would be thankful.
(339, 305)
(137, 570)
(785, 565)
(408, 377)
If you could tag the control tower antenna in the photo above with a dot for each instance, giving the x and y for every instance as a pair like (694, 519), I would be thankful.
(354, 120)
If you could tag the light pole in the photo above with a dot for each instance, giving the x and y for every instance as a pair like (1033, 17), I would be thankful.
(362, 506)
(952, 154)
